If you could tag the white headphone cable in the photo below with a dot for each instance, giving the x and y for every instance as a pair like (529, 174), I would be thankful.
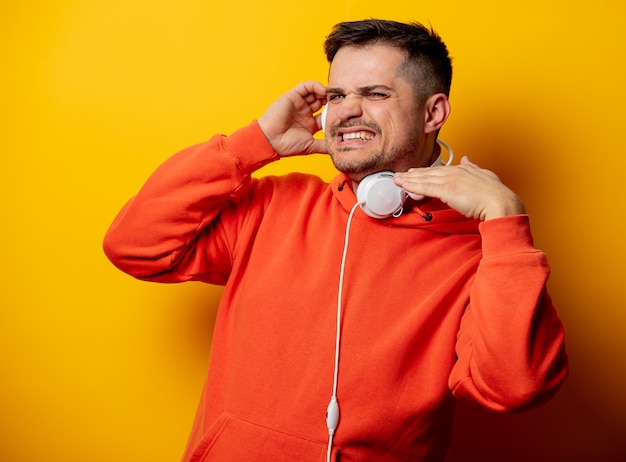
(332, 413)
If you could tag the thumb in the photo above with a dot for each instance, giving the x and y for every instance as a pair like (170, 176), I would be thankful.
(319, 147)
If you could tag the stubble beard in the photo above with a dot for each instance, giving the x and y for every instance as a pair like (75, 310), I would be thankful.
(357, 168)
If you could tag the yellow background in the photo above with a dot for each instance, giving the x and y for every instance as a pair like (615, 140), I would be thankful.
(95, 94)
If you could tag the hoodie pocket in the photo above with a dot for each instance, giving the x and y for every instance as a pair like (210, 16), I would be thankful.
(234, 440)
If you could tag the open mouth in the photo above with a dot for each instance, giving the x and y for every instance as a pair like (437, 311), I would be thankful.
(353, 133)
(360, 135)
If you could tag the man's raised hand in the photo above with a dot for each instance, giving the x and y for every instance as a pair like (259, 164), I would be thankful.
(289, 123)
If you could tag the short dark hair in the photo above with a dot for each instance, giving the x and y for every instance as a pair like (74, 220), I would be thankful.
(428, 65)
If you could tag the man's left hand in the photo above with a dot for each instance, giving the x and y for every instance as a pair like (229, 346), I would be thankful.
(470, 190)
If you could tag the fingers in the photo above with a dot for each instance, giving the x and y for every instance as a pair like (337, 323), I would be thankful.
(465, 161)
(290, 122)
(311, 87)
(313, 93)
(443, 181)
(422, 181)
(473, 191)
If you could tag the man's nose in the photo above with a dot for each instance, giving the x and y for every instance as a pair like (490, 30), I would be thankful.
(349, 108)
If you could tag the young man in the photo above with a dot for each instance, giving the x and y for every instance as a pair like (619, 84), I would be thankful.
(377, 322)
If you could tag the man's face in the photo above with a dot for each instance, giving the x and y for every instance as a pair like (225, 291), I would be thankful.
(373, 122)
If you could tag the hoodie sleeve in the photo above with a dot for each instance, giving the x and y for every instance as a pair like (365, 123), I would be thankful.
(161, 234)
(510, 346)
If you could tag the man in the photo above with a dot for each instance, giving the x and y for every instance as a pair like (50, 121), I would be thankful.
(377, 322)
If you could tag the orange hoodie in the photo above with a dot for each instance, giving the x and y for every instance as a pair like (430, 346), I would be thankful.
(430, 310)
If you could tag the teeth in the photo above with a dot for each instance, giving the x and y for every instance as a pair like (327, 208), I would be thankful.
(357, 136)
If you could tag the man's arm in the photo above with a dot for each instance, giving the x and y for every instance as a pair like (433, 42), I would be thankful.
(174, 229)
(157, 235)
(510, 346)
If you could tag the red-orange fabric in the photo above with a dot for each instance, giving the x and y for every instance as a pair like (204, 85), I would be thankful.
(431, 310)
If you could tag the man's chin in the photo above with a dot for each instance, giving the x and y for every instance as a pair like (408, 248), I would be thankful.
(357, 169)
(355, 174)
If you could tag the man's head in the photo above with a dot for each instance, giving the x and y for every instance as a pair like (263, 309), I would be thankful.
(387, 96)
(428, 66)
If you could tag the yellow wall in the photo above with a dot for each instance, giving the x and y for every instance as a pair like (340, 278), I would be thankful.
(94, 94)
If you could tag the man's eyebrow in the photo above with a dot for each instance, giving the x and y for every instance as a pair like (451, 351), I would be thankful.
(371, 88)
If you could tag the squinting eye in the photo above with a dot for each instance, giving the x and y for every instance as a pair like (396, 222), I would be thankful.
(376, 96)
(335, 98)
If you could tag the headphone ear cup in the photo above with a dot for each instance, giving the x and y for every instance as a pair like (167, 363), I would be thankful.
(379, 197)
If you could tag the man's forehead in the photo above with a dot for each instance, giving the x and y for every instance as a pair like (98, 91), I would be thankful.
(365, 66)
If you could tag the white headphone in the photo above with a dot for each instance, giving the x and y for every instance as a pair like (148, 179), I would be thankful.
(378, 196)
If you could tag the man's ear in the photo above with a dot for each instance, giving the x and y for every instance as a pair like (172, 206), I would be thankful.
(436, 112)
